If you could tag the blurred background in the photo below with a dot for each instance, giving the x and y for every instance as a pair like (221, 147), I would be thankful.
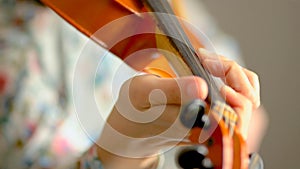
(268, 35)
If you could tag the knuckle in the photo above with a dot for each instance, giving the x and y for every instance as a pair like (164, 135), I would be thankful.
(254, 76)
(233, 63)
(256, 103)
(247, 105)
(233, 66)
(136, 91)
(253, 97)
(224, 58)
(250, 93)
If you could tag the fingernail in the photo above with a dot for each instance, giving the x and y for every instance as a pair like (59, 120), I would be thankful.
(204, 53)
(192, 90)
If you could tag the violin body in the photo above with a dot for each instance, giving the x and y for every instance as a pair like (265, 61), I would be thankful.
(226, 148)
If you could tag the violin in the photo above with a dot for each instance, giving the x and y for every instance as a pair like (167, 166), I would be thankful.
(154, 25)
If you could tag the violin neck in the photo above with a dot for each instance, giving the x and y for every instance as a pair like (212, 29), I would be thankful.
(172, 28)
(169, 24)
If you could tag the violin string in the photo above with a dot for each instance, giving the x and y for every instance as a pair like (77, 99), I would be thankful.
(170, 25)
(172, 28)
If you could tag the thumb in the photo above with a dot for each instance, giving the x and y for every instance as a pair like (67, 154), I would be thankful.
(149, 90)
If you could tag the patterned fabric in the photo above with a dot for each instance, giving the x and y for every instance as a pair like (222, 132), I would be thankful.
(89, 160)
(38, 126)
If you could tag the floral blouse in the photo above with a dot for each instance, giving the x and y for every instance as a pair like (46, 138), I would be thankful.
(39, 127)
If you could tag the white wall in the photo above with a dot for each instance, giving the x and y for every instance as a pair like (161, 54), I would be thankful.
(268, 32)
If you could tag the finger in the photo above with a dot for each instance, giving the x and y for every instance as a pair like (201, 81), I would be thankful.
(165, 131)
(233, 75)
(206, 54)
(254, 80)
(148, 90)
(252, 77)
(167, 125)
(242, 107)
